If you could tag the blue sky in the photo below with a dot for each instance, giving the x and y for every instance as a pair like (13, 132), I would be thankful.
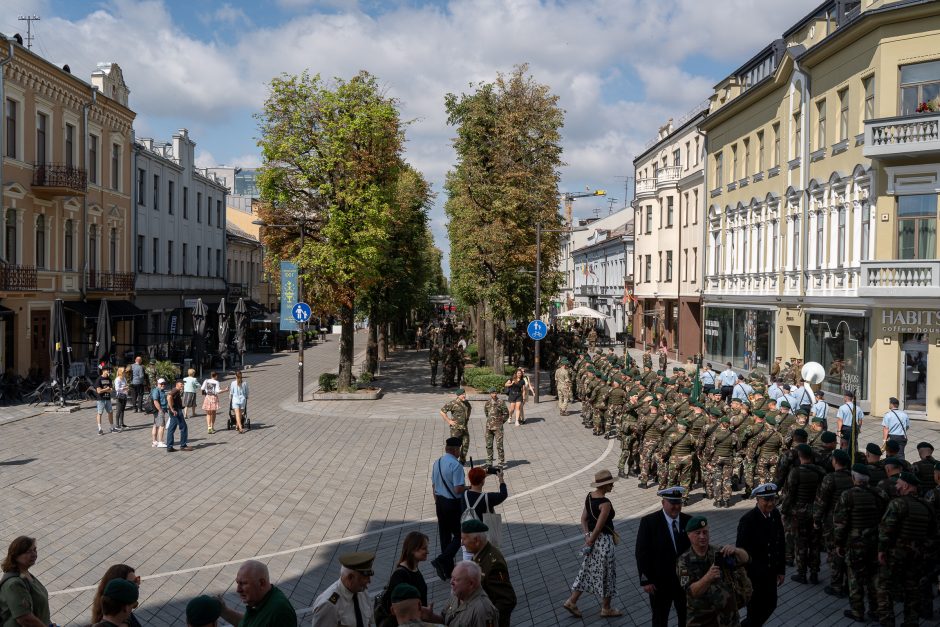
(620, 67)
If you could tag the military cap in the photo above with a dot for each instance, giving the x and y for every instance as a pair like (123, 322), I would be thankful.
(654, 403)
(873, 448)
(698, 405)
(685, 391)
(827, 437)
(746, 402)
(861, 469)
(784, 404)
(714, 411)
(203, 610)
(842, 456)
(804, 449)
(760, 413)
(360, 561)
(452, 442)
(404, 592)
(460, 391)
(660, 372)
(802, 412)
(667, 381)
(800, 433)
(473, 526)
(893, 461)
(735, 400)
(909, 478)
(660, 390)
(695, 523)
(490, 390)
(771, 421)
(122, 591)
(765, 491)
(673, 494)
(818, 419)
(677, 369)
(684, 423)
(921, 445)
(724, 419)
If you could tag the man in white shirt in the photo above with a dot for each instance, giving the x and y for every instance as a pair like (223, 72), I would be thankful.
(849, 413)
(708, 378)
(727, 378)
(774, 390)
(820, 409)
(895, 424)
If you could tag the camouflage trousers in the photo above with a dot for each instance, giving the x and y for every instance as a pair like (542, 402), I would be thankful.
(706, 475)
(564, 397)
(766, 468)
(447, 378)
(614, 417)
(464, 435)
(495, 435)
(750, 474)
(628, 453)
(861, 564)
(805, 539)
(598, 416)
(721, 469)
(836, 562)
(586, 411)
(433, 372)
(647, 458)
(680, 472)
(901, 572)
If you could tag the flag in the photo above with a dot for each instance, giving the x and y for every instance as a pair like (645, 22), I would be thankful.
(696, 386)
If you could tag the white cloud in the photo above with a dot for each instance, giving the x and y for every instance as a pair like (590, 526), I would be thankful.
(225, 15)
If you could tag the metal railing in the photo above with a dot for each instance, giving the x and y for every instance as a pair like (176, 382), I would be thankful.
(60, 175)
(902, 135)
(110, 281)
(18, 278)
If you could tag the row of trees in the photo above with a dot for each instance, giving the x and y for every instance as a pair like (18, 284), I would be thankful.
(334, 166)
(505, 181)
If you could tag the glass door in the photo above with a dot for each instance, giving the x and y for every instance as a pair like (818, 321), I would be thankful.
(914, 375)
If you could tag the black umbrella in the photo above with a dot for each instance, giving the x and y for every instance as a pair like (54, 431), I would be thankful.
(241, 328)
(103, 339)
(199, 331)
(223, 332)
(60, 352)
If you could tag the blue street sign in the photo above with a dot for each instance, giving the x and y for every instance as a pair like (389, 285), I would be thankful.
(537, 329)
(301, 312)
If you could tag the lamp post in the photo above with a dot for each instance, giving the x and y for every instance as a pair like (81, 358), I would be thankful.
(300, 347)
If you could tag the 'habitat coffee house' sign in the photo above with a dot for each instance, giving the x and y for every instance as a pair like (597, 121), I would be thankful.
(910, 321)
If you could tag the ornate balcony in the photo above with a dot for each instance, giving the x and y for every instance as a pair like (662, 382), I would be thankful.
(110, 282)
(57, 179)
(903, 136)
(901, 278)
(668, 176)
(18, 278)
(645, 187)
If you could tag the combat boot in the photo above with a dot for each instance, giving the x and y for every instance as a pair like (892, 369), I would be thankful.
(622, 474)
(814, 577)
(799, 578)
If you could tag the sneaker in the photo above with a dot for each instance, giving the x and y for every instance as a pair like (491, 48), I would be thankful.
(115, 430)
(170, 449)
(155, 444)
(100, 431)
(161, 445)
(211, 431)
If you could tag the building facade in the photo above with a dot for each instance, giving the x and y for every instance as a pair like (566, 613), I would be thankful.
(603, 275)
(66, 222)
(575, 240)
(822, 210)
(668, 204)
(180, 240)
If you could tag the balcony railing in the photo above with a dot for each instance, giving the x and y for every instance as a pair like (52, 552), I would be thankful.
(110, 281)
(666, 176)
(18, 278)
(58, 177)
(913, 134)
(645, 186)
(589, 290)
(901, 278)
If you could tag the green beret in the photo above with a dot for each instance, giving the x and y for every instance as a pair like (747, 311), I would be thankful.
(800, 433)
(771, 420)
(684, 423)
(724, 419)
(654, 403)
(660, 373)
(760, 413)
(685, 391)
(802, 412)
(473, 526)
(893, 461)
(695, 523)
(842, 456)
(460, 391)
(660, 390)
(804, 449)
(714, 411)
(827, 437)
(122, 591)
(667, 381)
(819, 419)
(909, 478)
(404, 592)
(873, 448)
(784, 404)
(861, 469)
(203, 610)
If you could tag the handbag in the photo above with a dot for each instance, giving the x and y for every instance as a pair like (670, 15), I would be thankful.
(495, 523)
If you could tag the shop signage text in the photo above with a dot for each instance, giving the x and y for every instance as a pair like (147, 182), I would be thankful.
(910, 321)
(712, 328)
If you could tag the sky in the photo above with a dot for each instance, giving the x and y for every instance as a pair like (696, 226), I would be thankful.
(621, 68)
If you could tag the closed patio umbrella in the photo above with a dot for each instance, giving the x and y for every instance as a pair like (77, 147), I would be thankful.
(103, 338)
(60, 351)
(223, 332)
(241, 329)
(199, 332)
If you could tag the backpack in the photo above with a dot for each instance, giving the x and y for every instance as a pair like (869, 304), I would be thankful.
(470, 512)
(382, 604)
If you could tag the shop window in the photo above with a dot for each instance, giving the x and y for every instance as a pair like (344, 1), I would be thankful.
(742, 336)
(839, 343)
(917, 226)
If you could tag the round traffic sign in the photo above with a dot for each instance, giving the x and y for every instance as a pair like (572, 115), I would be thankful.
(301, 312)
(537, 329)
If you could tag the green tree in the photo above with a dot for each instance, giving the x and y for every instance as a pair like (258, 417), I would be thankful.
(508, 147)
(332, 153)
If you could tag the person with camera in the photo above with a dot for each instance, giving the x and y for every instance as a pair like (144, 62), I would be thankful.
(715, 582)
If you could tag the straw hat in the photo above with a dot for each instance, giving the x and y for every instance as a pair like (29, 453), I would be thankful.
(602, 478)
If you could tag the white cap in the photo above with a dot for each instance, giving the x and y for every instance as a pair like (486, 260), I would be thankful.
(161, 380)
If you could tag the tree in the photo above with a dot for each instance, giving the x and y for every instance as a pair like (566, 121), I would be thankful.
(332, 153)
(504, 183)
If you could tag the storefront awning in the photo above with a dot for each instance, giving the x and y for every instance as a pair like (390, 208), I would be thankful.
(120, 309)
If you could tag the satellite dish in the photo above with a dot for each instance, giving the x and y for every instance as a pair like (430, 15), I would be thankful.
(813, 372)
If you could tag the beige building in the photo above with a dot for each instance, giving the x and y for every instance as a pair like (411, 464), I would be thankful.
(668, 205)
(246, 264)
(66, 222)
(822, 206)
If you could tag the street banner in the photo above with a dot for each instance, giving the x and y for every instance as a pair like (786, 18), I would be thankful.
(289, 295)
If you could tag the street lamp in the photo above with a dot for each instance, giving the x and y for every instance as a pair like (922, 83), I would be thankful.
(300, 350)
(538, 287)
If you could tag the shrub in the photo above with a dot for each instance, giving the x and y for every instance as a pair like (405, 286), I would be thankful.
(470, 375)
(167, 370)
(483, 383)
(328, 381)
(473, 352)
(365, 377)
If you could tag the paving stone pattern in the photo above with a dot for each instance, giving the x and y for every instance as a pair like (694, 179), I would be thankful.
(313, 480)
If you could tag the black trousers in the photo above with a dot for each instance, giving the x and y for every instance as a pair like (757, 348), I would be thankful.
(726, 391)
(138, 400)
(448, 528)
(662, 602)
(763, 600)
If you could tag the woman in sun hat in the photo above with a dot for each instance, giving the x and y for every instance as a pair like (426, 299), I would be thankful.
(598, 572)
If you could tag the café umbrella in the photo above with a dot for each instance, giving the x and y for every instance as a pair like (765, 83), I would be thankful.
(241, 329)
(60, 352)
(199, 331)
(103, 337)
(223, 332)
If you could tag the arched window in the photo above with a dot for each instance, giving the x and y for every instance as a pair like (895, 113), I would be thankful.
(10, 236)
(41, 241)
(69, 246)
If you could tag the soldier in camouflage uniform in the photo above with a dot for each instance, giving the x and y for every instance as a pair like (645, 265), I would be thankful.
(459, 419)
(924, 466)
(616, 400)
(651, 430)
(797, 508)
(908, 526)
(628, 438)
(765, 449)
(708, 480)
(747, 462)
(648, 359)
(710, 575)
(599, 406)
(719, 451)
(434, 356)
(677, 448)
(450, 366)
(855, 535)
(563, 386)
(497, 414)
(831, 488)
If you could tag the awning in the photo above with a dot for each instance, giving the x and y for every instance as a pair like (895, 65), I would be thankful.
(89, 309)
(5, 311)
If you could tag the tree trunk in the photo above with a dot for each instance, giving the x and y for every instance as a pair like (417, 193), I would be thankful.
(383, 342)
(489, 331)
(372, 349)
(499, 354)
(346, 338)
(480, 333)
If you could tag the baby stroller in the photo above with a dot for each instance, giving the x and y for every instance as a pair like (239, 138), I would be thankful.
(231, 424)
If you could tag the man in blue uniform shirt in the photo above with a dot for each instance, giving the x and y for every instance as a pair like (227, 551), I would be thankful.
(894, 426)
(820, 409)
(741, 390)
(849, 414)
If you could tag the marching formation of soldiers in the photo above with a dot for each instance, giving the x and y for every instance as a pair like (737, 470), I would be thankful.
(444, 345)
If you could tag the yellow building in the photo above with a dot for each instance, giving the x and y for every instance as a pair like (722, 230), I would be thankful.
(822, 205)
(66, 223)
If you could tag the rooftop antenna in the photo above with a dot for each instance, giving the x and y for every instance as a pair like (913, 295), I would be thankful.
(610, 208)
(29, 19)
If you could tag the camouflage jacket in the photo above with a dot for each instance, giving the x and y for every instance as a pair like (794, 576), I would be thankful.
(459, 413)
(717, 606)
(496, 414)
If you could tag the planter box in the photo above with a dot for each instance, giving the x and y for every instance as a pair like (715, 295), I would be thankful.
(359, 395)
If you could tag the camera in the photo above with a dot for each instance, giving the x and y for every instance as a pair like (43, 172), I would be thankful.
(726, 561)
(492, 470)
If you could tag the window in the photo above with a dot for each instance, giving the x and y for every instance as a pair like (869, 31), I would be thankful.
(669, 210)
(93, 159)
(649, 219)
(141, 186)
(797, 135)
(649, 267)
(112, 250)
(676, 157)
(208, 262)
(41, 241)
(93, 249)
(917, 227)
(696, 151)
(796, 242)
(840, 259)
(185, 203)
(11, 128)
(745, 249)
(668, 266)
(868, 83)
(10, 237)
(169, 257)
(218, 213)
(734, 163)
(209, 210)
(866, 226)
(694, 206)
(198, 206)
(747, 157)
(843, 114)
(170, 192)
(920, 83)
(820, 124)
(694, 263)
(69, 261)
(759, 257)
(760, 151)
(42, 122)
(775, 129)
(718, 170)
(685, 264)
(69, 145)
(688, 154)
(185, 250)
(218, 262)
(685, 200)
(659, 275)
(140, 253)
(156, 193)
(156, 254)
(198, 260)
(773, 245)
(116, 166)
(820, 238)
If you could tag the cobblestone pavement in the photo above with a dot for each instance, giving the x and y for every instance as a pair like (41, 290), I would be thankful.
(313, 480)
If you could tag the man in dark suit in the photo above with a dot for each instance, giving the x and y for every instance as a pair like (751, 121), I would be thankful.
(761, 534)
(660, 540)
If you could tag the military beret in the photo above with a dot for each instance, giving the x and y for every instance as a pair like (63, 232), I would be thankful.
(842, 456)
(698, 405)
(800, 433)
(684, 423)
(893, 461)
(802, 412)
(685, 391)
(771, 421)
(460, 391)
(804, 449)
(473, 526)
(122, 591)
(760, 413)
(490, 390)
(827, 437)
(714, 411)
(654, 403)
(360, 561)
(677, 369)
(695, 523)
(452, 442)
(921, 445)
(404, 592)
(785, 404)
(909, 478)
(746, 402)
(724, 419)
(203, 610)
(660, 372)
(873, 448)
(660, 390)
(819, 419)
(735, 400)
(667, 381)
(861, 469)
